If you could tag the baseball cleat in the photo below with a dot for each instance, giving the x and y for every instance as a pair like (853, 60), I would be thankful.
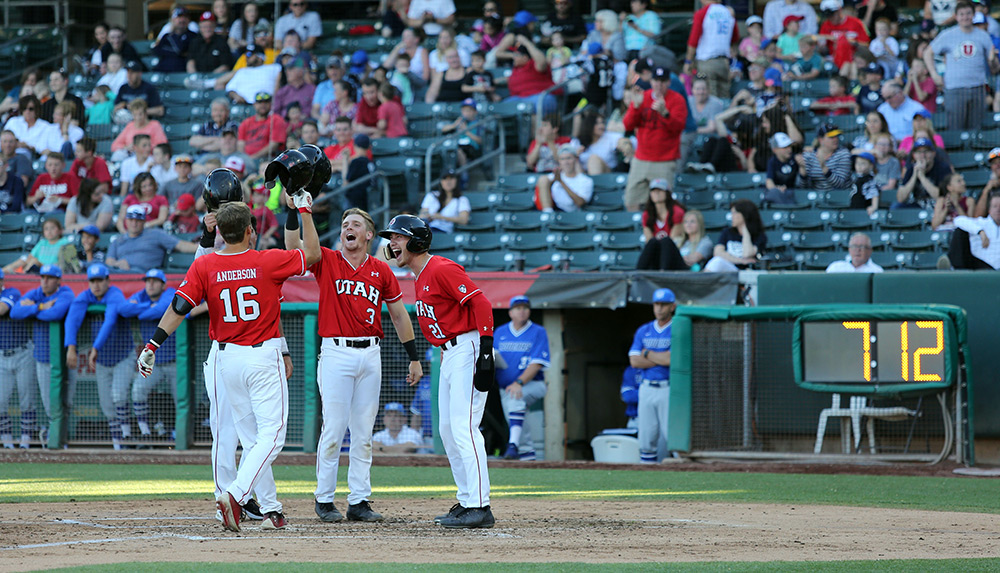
(252, 510)
(362, 511)
(274, 520)
(511, 453)
(471, 518)
(230, 511)
(453, 512)
(328, 513)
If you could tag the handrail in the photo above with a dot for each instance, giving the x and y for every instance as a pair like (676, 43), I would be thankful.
(500, 151)
(39, 32)
(540, 104)
(382, 210)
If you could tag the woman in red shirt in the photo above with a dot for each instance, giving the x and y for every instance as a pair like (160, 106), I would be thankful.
(391, 115)
(156, 206)
(661, 220)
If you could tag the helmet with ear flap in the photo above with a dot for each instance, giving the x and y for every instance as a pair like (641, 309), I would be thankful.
(413, 227)
(292, 169)
(322, 170)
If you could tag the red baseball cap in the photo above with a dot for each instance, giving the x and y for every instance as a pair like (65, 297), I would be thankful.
(792, 18)
(185, 202)
(207, 16)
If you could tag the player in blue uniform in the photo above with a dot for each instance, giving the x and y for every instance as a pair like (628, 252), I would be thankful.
(47, 303)
(148, 305)
(631, 380)
(16, 367)
(650, 352)
(524, 346)
(112, 353)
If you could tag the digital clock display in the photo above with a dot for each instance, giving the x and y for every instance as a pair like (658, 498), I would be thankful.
(873, 351)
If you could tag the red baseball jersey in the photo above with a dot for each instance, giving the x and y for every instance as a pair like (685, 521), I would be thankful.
(443, 291)
(352, 297)
(243, 291)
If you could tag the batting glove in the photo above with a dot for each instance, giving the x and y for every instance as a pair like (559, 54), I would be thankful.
(303, 202)
(147, 358)
(485, 376)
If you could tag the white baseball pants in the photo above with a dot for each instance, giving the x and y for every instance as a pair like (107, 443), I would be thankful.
(17, 369)
(654, 410)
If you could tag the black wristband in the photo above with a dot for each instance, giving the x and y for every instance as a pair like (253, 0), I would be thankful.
(207, 237)
(160, 336)
(485, 343)
(411, 350)
(292, 220)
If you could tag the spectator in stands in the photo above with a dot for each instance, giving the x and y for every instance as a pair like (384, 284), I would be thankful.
(887, 167)
(17, 164)
(141, 162)
(885, 48)
(920, 85)
(969, 58)
(543, 150)
(922, 127)
(661, 222)
(34, 135)
(640, 28)
(12, 190)
(864, 190)
(237, 166)
(939, 15)
(407, 82)
(975, 243)
(438, 58)
(263, 38)
(396, 437)
(776, 11)
(53, 189)
(921, 184)
(704, 107)
(410, 44)
(479, 82)
(952, 203)
(141, 249)
(335, 72)
(597, 145)
(140, 124)
(754, 93)
(567, 188)
(982, 204)
(145, 195)
(59, 84)
(446, 86)
(87, 251)
(366, 121)
(91, 206)
(740, 244)
(709, 44)
(782, 172)
(531, 76)
(657, 118)
(92, 61)
(859, 258)
(732, 147)
(209, 136)
(470, 131)
(117, 44)
(9, 104)
(295, 90)
(181, 183)
(100, 112)
(608, 33)
(307, 24)
(788, 41)
(808, 65)
(244, 84)
(265, 222)
(209, 51)
(898, 110)
(262, 135)
(46, 251)
(431, 15)
(838, 102)
(394, 18)
(565, 20)
(442, 210)
(490, 31)
(342, 149)
(163, 165)
(841, 32)
(242, 32)
(358, 166)
(88, 165)
(137, 88)
(875, 125)
(343, 105)
(116, 75)
(66, 133)
(869, 94)
(172, 47)
(391, 115)
(828, 166)
(291, 49)
(309, 133)
(185, 219)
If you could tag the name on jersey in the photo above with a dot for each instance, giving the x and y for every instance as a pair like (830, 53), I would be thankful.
(236, 275)
(425, 310)
(357, 288)
(656, 343)
(514, 346)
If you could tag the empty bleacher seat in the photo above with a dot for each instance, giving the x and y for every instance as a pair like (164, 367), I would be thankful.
(906, 219)
(537, 260)
(885, 260)
(581, 241)
(781, 240)
(717, 220)
(449, 241)
(533, 241)
(179, 262)
(487, 241)
(819, 260)
(836, 199)
(809, 220)
(517, 201)
(480, 220)
(574, 221)
(590, 260)
(701, 200)
(820, 240)
(620, 221)
(920, 240)
(623, 240)
(923, 260)
(492, 261)
(481, 202)
(625, 261)
(773, 219)
(854, 219)
(527, 221)
(610, 180)
(391, 146)
(736, 181)
(518, 181)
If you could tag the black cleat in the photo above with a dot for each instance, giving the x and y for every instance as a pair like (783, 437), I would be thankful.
(362, 511)
(471, 518)
(252, 510)
(453, 512)
(328, 513)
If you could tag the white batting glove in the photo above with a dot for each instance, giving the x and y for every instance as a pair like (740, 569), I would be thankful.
(303, 202)
(147, 358)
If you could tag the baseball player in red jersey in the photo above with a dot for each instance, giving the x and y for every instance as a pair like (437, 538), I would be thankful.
(352, 287)
(457, 317)
(242, 288)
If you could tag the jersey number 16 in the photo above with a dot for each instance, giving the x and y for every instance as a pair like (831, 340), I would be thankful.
(248, 309)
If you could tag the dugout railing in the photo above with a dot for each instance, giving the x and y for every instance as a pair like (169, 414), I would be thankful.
(741, 386)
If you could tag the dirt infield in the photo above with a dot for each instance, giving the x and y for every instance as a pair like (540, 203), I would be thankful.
(37, 535)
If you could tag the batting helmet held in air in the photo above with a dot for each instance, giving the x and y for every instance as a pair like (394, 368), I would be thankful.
(413, 227)
(322, 170)
(221, 186)
(292, 168)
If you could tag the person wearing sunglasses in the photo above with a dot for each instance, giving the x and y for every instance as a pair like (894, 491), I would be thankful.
(307, 24)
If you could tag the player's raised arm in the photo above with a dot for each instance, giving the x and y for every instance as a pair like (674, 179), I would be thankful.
(293, 237)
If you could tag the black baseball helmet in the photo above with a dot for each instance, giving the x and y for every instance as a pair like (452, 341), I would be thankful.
(292, 168)
(413, 227)
(221, 186)
(322, 170)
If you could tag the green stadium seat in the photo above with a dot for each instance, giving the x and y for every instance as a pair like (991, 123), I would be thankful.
(518, 181)
(701, 200)
(920, 240)
(480, 220)
(716, 220)
(15, 222)
(606, 181)
(625, 261)
(853, 219)
(755, 196)
(966, 159)
(574, 221)
(695, 181)
(819, 240)
(977, 178)
(623, 241)
(538, 260)
(835, 199)
(620, 221)
(906, 219)
(781, 240)
(449, 241)
(179, 262)
(590, 260)
(15, 241)
(809, 220)
(923, 261)
(487, 241)
(737, 181)
(527, 221)
(391, 146)
(819, 260)
(480, 202)
(773, 219)
(955, 140)
(492, 261)
(607, 201)
(581, 241)
(533, 241)
(517, 201)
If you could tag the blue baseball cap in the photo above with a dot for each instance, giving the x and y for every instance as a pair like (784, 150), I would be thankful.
(594, 48)
(519, 299)
(97, 271)
(51, 271)
(663, 295)
(91, 230)
(922, 142)
(867, 156)
(394, 407)
(923, 113)
(156, 274)
(523, 18)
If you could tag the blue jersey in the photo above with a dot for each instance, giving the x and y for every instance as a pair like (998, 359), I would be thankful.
(149, 313)
(13, 333)
(62, 299)
(631, 380)
(112, 339)
(652, 337)
(530, 345)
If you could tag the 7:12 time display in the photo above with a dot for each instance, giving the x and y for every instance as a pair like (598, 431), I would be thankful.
(863, 351)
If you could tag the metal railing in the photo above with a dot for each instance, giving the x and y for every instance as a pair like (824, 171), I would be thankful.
(500, 151)
(337, 194)
(60, 55)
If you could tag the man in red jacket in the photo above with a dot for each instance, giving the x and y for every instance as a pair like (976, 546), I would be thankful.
(657, 122)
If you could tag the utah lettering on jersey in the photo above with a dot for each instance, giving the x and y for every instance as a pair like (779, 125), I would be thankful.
(358, 288)
(425, 310)
(235, 275)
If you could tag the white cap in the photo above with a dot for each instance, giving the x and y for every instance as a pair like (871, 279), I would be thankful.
(754, 20)
(781, 140)
(831, 5)
(979, 18)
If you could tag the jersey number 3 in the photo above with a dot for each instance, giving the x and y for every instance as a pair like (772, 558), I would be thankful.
(248, 309)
